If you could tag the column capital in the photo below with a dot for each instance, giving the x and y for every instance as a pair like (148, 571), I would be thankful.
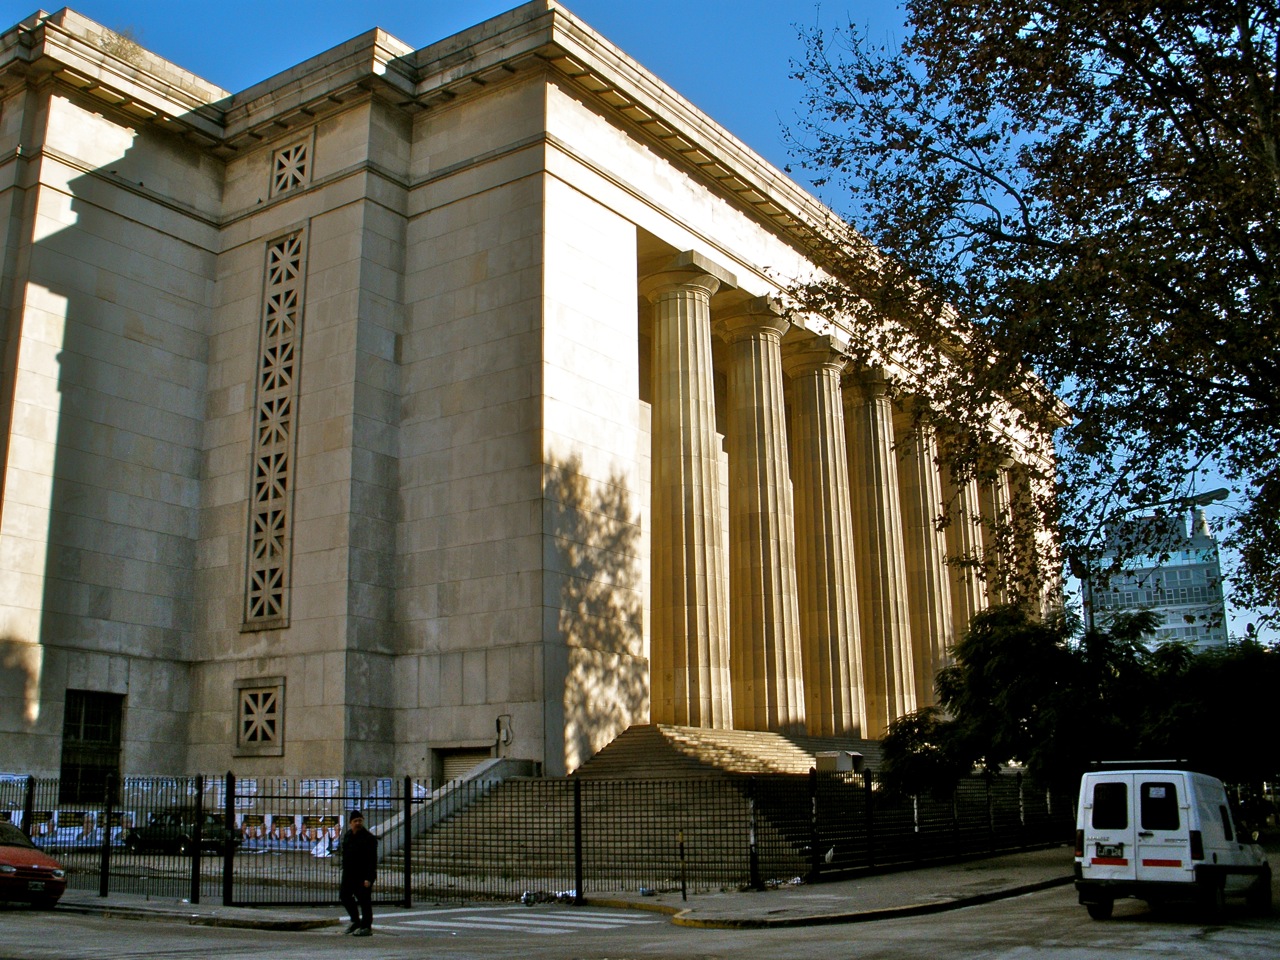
(684, 270)
(760, 315)
(913, 414)
(866, 384)
(812, 354)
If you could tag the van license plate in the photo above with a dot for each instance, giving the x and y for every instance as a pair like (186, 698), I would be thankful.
(1111, 851)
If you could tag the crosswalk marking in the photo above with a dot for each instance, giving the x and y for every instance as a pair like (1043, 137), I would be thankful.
(516, 921)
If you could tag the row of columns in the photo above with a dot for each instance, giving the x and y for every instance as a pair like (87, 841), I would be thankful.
(822, 635)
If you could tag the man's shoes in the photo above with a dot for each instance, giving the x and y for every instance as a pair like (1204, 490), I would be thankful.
(364, 932)
(352, 927)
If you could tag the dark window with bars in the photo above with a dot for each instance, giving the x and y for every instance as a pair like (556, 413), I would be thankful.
(90, 745)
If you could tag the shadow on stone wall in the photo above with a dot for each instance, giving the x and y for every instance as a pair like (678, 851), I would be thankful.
(594, 554)
(20, 683)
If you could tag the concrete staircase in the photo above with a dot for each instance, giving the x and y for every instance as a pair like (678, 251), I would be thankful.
(635, 809)
(664, 752)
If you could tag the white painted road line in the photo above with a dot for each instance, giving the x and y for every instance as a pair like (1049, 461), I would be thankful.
(516, 921)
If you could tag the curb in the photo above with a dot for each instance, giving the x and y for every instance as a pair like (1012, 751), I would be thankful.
(682, 919)
(680, 916)
(196, 920)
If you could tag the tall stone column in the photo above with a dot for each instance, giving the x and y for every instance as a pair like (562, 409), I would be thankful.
(881, 567)
(932, 631)
(831, 648)
(964, 550)
(689, 648)
(996, 501)
(764, 633)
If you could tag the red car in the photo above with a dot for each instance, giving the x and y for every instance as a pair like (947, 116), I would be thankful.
(27, 873)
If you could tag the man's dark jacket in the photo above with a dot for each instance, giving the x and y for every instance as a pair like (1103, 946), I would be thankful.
(359, 852)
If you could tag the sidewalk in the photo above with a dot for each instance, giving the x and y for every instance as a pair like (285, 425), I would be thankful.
(880, 897)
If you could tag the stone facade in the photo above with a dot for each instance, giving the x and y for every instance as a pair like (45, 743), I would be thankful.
(414, 405)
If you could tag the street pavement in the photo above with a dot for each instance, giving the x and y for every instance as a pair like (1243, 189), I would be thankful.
(882, 896)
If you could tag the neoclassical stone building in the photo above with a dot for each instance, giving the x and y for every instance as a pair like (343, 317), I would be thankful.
(415, 405)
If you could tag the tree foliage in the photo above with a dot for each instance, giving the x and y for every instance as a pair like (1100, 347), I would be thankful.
(1093, 188)
(1041, 694)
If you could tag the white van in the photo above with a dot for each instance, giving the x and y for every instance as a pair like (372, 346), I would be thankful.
(1162, 835)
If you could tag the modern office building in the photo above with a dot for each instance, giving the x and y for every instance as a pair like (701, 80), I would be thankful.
(421, 405)
(1173, 573)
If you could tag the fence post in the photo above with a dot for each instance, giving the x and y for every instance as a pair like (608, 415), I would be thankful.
(104, 866)
(917, 847)
(229, 854)
(406, 846)
(753, 854)
(955, 819)
(197, 840)
(578, 898)
(815, 858)
(29, 805)
(991, 815)
(869, 814)
(684, 872)
(1022, 813)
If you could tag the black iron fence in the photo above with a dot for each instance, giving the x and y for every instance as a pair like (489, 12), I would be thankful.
(262, 841)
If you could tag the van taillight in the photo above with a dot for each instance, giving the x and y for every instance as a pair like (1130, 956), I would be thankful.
(1197, 845)
(1079, 843)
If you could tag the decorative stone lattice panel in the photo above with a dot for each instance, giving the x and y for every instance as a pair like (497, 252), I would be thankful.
(275, 411)
(290, 167)
(260, 717)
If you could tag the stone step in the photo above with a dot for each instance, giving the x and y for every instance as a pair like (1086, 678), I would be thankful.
(661, 751)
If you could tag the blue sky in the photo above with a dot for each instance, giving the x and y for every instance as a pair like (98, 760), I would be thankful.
(731, 58)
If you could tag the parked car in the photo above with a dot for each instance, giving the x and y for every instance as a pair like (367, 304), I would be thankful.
(1161, 836)
(173, 831)
(27, 872)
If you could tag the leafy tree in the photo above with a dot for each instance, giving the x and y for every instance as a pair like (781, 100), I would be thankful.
(1214, 709)
(1093, 188)
(1039, 693)
(1028, 691)
(919, 757)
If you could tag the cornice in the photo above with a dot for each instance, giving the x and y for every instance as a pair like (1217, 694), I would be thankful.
(88, 57)
(538, 35)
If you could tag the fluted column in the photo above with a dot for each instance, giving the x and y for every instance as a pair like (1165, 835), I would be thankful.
(881, 567)
(932, 632)
(996, 500)
(831, 648)
(964, 550)
(689, 648)
(764, 633)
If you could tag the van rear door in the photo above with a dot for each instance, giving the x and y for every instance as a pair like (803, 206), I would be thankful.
(1109, 828)
(1163, 835)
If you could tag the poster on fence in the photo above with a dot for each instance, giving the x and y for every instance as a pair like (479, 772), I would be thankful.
(12, 790)
(321, 834)
(321, 789)
(253, 828)
(41, 828)
(380, 797)
(76, 829)
(246, 793)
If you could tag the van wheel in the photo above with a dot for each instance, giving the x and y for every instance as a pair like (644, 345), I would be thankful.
(1258, 897)
(1215, 902)
(1100, 910)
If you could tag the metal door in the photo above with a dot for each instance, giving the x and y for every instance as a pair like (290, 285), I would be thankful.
(1109, 828)
(1163, 838)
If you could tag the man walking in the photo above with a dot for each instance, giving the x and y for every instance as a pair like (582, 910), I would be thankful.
(359, 852)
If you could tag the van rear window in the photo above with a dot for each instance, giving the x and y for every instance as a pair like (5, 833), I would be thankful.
(1159, 806)
(1110, 806)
